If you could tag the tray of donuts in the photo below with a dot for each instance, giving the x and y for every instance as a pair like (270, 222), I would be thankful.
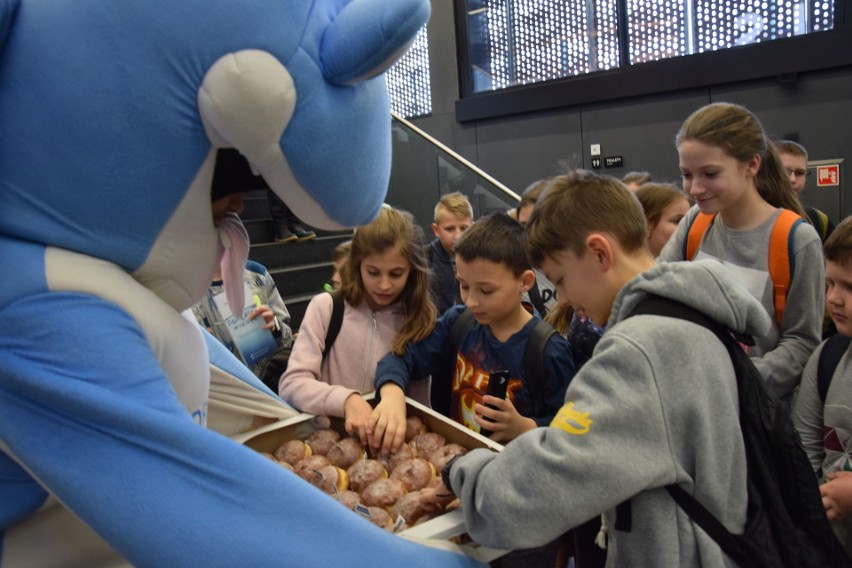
(384, 489)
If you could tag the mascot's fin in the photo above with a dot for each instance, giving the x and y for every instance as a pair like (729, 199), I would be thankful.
(383, 29)
(8, 11)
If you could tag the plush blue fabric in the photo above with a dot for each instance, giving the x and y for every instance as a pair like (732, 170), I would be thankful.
(110, 116)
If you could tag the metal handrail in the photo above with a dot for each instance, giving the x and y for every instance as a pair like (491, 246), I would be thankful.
(457, 157)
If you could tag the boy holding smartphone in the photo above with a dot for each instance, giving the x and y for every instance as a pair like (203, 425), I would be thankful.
(493, 273)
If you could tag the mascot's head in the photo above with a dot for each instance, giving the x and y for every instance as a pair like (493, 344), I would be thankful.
(112, 114)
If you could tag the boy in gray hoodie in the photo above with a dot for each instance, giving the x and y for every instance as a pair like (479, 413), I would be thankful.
(655, 405)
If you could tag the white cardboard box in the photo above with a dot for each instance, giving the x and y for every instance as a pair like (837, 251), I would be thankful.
(434, 532)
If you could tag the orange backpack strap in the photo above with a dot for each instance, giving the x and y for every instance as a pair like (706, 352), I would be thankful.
(694, 234)
(781, 261)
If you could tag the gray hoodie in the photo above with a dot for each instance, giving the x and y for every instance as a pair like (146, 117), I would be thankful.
(656, 405)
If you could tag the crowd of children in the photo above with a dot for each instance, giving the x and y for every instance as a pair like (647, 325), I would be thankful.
(626, 404)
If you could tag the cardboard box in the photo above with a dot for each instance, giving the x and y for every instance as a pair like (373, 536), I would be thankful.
(434, 532)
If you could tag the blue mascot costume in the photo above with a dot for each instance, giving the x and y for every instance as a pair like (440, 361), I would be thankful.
(111, 116)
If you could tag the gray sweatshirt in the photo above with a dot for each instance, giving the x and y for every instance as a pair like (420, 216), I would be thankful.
(656, 404)
(781, 354)
(825, 428)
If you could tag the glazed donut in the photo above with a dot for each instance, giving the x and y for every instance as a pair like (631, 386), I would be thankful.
(415, 474)
(426, 443)
(330, 479)
(346, 452)
(292, 451)
(383, 493)
(322, 440)
(405, 452)
(445, 453)
(348, 498)
(307, 468)
(409, 508)
(362, 473)
(414, 426)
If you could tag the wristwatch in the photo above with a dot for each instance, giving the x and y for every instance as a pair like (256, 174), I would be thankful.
(445, 472)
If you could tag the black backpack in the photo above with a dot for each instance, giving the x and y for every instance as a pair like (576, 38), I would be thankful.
(275, 365)
(533, 355)
(833, 350)
(786, 524)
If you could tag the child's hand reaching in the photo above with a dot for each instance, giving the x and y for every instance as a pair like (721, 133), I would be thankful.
(837, 495)
(357, 413)
(267, 314)
(507, 423)
(387, 428)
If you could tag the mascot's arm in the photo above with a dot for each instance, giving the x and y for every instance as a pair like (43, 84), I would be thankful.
(85, 408)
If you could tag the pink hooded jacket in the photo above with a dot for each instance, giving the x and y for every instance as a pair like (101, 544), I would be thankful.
(321, 387)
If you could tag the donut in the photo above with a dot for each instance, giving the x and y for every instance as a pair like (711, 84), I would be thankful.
(379, 517)
(415, 474)
(426, 443)
(292, 451)
(383, 493)
(322, 440)
(330, 479)
(445, 453)
(345, 452)
(307, 468)
(414, 426)
(362, 473)
(405, 452)
(348, 498)
(409, 508)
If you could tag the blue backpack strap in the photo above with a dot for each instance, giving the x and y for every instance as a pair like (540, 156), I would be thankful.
(833, 350)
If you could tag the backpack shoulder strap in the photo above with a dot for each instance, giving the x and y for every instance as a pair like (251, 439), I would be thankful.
(535, 298)
(781, 261)
(694, 234)
(534, 364)
(829, 358)
(335, 323)
(460, 327)
(656, 305)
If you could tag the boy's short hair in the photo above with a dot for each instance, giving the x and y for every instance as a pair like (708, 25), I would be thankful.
(532, 192)
(579, 203)
(456, 203)
(637, 177)
(838, 247)
(792, 148)
(497, 238)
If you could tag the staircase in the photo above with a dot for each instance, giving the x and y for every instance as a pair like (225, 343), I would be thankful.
(423, 169)
(299, 269)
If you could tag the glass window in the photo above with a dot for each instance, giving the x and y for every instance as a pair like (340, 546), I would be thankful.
(516, 42)
(409, 82)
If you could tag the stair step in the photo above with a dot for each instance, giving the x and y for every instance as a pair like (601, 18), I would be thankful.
(290, 255)
(304, 279)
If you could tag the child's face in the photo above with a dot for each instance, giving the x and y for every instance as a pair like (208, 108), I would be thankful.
(450, 227)
(797, 169)
(659, 234)
(838, 295)
(384, 275)
(716, 180)
(232, 203)
(490, 290)
(579, 283)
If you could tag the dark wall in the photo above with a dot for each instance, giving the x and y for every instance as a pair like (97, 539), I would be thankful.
(522, 148)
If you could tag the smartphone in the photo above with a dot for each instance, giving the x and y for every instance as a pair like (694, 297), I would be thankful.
(498, 381)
